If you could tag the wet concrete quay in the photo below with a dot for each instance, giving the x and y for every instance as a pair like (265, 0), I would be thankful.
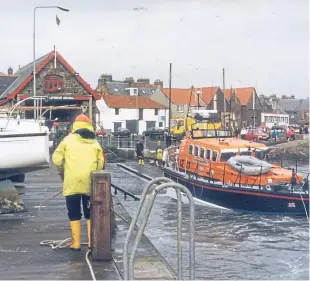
(22, 256)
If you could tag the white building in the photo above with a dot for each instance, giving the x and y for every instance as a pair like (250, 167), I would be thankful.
(136, 113)
(271, 119)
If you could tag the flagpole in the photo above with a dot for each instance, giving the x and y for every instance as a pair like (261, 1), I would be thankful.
(34, 51)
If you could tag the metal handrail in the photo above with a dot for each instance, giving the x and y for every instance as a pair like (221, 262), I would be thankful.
(18, 103)
(178, 189)
(135, 219)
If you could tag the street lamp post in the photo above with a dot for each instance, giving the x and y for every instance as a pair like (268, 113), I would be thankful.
(198, 96)
(34, 49)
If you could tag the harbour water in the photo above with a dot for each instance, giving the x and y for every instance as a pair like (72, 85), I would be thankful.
(229, 245)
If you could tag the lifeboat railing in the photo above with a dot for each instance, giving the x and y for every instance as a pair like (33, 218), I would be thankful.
(211, 174)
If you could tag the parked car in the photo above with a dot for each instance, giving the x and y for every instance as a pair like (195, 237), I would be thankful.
(153, 131)
(101, 133)
(255, 135)
(122, 132)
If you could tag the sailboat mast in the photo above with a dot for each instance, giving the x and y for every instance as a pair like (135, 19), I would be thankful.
(224, 97)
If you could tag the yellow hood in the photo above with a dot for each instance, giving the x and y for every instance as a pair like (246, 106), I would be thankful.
(82, 125)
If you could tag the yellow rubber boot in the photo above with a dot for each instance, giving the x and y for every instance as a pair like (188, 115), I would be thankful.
(142, 162)
(88, 233)
(76, 235)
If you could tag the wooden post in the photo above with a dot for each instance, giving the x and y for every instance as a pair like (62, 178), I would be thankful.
(100, 215)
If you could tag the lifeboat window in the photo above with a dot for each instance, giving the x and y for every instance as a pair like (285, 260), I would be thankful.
(260, 154)
(214, 156)
(196, 151)
(245, 153)
(202, 152)
(226, 155)
(208, 154)
(190, 150)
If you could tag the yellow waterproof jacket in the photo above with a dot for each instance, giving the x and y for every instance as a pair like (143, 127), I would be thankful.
(77, 156)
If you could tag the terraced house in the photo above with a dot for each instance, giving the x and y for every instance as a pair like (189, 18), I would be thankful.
(185, 100)
(245, 106)
(127, 104)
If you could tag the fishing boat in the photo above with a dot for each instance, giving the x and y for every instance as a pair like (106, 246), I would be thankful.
(231, 173)
(24, 146)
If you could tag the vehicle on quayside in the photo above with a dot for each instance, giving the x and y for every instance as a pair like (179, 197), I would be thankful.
(231, 173)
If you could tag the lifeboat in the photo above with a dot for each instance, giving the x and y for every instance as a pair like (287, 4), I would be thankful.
(235, 174)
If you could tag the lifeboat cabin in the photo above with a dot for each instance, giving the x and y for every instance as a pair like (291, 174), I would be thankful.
(207, 158)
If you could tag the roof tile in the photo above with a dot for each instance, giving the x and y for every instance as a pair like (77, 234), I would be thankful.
(244, 94)
(183, 96)
(140, 102)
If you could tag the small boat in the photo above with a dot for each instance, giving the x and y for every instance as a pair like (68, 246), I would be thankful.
(231, 173)
(24, 147)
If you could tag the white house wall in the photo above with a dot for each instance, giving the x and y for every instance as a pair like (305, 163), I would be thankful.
(107, 117)
(280, 119)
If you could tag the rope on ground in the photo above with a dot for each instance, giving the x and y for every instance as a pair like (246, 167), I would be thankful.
(90, 265)
(57, 244)
(60, 244)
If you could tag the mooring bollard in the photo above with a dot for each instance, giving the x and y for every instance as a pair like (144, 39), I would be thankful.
(100, 215)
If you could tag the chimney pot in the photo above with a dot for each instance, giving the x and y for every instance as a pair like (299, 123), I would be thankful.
(144, 81)
(104, 78)
(10, 71)
(130, 81)
(159, 83)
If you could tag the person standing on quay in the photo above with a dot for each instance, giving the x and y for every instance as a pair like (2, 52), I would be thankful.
(76, 157)
(140, 151)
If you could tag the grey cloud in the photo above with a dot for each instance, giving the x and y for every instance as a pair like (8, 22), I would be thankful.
(261, 43)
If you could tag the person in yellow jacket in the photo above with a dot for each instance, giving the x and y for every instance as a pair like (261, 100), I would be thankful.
(159, 154)
(75, 158)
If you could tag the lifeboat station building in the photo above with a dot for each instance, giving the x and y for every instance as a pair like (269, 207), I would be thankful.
(66, 94)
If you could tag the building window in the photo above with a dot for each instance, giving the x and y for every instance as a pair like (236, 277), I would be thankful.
(53, 83)
(180, 108)
(116, 111)
(140, 114)
(156, 111)
(161, 124)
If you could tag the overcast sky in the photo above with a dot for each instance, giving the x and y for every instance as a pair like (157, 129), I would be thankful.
(262, 43)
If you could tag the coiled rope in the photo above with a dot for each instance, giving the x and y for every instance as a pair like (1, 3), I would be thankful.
(61, 244)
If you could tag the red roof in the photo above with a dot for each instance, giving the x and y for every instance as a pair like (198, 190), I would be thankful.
(227, 93)
(131, 102)
(244, 94)
(179, 96)
(208, 93)
(49, 57)
(183, 96)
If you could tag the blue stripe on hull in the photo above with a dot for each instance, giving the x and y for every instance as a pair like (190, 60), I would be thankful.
(240, 202)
